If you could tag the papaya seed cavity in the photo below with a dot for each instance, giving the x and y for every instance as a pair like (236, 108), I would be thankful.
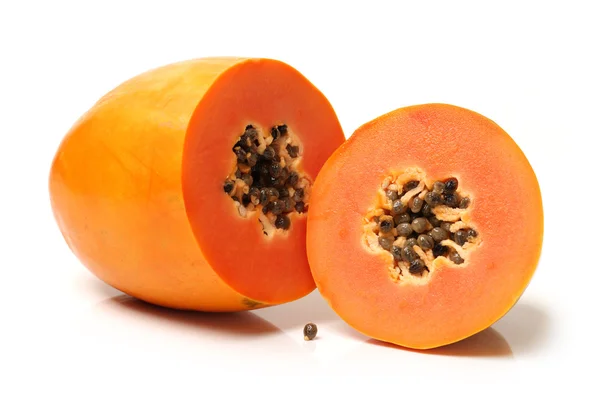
(266, 179)
(421, 223)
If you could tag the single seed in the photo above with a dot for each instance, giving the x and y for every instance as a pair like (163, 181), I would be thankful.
(397, 253)
(246, 178)
(288, 204)
(275, 169)
(398, 207)
(460, 237)
(451, 200)
(420, 225)
(282, 222)
(450, 185)
(292, 150)
(464, 203)
(293, 179)
(425, 242)
(438, 187)
(283, 129)
(299, 207)
(251, 132)
(433, 199)
(386, 224)
(299, 195)
(245, 200)
(471, 234)
(415, 204)
(409, 255)
(402, 218)
(404, 229)
(435, 222)
(272, 193)
(410, 243)
(266, 208)
(386, 242)
(254, 195)
(417, 267)
(274, 133)
(391, 195)
(426, 210)
(455, 257)
(410, 185)
(269, 153)
(228, 186)
(446, 226)
(439, 234)
(277, 207)
(240, 154)
(252, 160)
(310, 331)
(439, 250)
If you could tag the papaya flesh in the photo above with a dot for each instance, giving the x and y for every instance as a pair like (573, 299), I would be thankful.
(137, 184)
(476, 231)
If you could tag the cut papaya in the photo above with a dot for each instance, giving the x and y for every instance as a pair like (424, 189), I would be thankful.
(188, 185)
(426, 226)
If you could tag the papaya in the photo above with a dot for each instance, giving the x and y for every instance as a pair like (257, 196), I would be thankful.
(426, 226)
(188, 185)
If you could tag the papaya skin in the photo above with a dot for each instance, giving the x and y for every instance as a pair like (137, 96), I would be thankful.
(457, 302)
(116, 190)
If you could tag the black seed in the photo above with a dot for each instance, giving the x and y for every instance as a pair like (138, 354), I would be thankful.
(292, 150)
(410, 242)
(398, 207)
(410, 185)
(404, 229)
(267, 208)
(240, 154)
(299, 195)
(386, 224)
(455, 257)
(254, 195)
(293, 179)
(245, 199)
(263, 169)
(275, 133)
(397, 253)
(420, 225)
(310, 331)
(277, 207)
(460, 237)
(446, 226)
(251, 132)
(246, 178)
(391, 195)
(417, 267)
(283, 193)
(236, 145)
(439, 234)
(471, 234)
(435, 222)
(299, 207)
(426, 210)
(283, 129)
(228, 186)
(439, 250)
(282, 222)
(238, 173)
(451, 200)
(415, 204)
(288, 204)
(464, 203)
(272, 193)
(425, 242)
(409, 255)
(235, 198)
(275, 169)
(264, 196)
(433, 199)
(386, 242)
(252, 160)
(402, 218)
(269, 153)
(438, 187)
(450, 185)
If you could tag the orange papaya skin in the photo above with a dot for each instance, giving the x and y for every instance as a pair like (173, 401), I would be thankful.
(116, 189)
(457, 302)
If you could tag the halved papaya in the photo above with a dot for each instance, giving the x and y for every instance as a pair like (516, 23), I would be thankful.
(188, 186)
(426, 226)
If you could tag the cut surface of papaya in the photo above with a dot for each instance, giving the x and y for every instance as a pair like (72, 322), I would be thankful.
(188, 185)
(426, 226)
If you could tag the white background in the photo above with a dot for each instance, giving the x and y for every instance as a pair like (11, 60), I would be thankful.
(530, 66)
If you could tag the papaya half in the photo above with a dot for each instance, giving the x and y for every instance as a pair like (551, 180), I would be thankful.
(188, 185)
(426, 226)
